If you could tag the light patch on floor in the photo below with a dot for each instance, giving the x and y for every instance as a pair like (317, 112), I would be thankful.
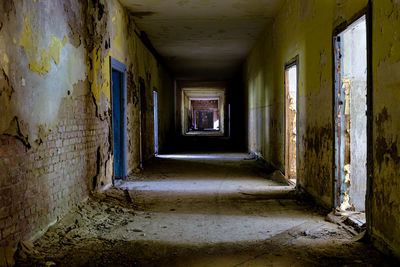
(198, 212)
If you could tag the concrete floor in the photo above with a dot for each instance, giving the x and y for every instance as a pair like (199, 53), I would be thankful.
(201, 210)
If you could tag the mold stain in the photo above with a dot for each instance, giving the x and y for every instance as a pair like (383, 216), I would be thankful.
(317, 142)
(386, 149)
(39, 57)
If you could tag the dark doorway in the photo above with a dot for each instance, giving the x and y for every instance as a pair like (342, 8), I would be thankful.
(155, 100)
(142, 119)
(118, 83)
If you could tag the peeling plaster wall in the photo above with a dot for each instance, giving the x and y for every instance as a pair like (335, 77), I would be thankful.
(34, 54)
(119, 39)
(55, 101)
(385, 201)
(53, 146)
(304, 28)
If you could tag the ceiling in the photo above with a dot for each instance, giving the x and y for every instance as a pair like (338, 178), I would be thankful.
(202, 39)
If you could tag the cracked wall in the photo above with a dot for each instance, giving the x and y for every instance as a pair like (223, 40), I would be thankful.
(305, 28)
(118, 37)
(301, 28)
(55, 128)
(385, 201)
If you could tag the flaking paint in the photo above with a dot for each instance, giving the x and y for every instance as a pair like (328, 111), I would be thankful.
(38, 56)
(126, 47)
(54, 66)
(305, 28)
(385, 202)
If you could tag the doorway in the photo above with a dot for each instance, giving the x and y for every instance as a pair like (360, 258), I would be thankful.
(291, 120)
(142, 119)
(203, 111)
(118, 84)
(350, 112)
(155, 100)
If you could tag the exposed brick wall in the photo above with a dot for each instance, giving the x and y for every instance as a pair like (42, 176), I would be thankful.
(38, 184)
(204, 104)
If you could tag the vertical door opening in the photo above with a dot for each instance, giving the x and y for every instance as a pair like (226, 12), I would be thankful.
(203, 111)
(155, 100)
(291, 121)
(203, 115)
(142, 119)
(118, 84)
(351, 145)
(229, 119)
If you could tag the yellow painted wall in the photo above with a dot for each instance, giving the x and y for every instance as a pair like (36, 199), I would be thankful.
(127, 48)
(305, 28)
(55, 100)
(302, 28)
(44, 59)
(385, 202)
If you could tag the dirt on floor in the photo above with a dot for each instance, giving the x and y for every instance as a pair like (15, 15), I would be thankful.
(199, 213)
(82, 238)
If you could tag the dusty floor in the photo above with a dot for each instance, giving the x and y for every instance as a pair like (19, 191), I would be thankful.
(198, 212)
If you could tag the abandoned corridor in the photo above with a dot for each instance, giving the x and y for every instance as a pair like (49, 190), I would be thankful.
(108, 108)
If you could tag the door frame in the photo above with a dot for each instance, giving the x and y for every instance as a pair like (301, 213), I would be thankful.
(156, 126)
(142, 120)
(292, 62)
(120, 67)
(367, 12)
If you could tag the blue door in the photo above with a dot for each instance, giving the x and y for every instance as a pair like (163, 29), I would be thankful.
(118, 123)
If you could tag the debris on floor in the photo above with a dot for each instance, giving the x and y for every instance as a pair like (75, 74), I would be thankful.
(89, 235)
(92, 219)
(198, 213)
(354, 222)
